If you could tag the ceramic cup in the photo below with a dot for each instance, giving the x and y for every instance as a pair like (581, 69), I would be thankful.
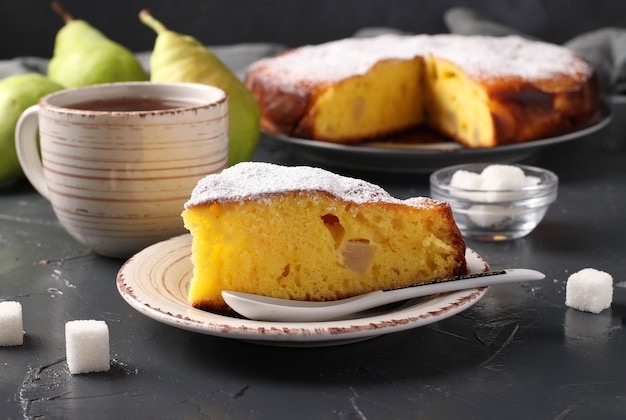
(118, 161)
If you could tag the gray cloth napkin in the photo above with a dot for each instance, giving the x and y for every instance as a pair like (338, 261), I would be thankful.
(236, 57)
(21, 65)
(604, 49)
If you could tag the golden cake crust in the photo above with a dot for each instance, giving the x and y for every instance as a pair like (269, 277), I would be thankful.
(531, 89)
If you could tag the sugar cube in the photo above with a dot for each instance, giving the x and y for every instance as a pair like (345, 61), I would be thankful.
(503, 177)
(11, 325)
(486, 216)
(466, 180)
(589, 290)
(493, 184)
(470, 182)
(87, 346)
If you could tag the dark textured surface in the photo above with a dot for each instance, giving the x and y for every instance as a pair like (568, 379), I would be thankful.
(518, 353)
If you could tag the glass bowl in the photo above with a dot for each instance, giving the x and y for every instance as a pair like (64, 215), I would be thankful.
(495, 214)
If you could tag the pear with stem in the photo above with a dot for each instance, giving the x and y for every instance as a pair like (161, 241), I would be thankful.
(85, 56)
(182, 58)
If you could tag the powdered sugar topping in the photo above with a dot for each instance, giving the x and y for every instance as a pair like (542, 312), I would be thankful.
(480, 57)
(257, 180)
(335, 60)
(484, 57)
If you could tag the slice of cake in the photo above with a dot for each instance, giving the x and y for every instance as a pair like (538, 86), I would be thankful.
(308, 234)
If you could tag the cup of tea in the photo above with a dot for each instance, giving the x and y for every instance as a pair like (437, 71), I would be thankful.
(118, 161)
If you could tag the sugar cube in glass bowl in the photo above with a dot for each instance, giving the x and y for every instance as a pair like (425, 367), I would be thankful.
(493, 201)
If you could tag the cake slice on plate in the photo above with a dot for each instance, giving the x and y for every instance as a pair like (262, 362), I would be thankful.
(304, 233)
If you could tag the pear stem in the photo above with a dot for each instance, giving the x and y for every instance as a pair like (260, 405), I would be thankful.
(61, 11)
(149, 20)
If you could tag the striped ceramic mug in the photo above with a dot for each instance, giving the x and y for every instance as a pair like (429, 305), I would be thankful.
(119, 160)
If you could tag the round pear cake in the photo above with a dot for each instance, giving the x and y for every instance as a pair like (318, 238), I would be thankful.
(480, 91)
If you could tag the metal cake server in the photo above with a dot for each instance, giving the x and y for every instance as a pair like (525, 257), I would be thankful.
(263, 308)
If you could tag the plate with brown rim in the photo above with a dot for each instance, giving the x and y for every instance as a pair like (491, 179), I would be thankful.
(156, 280)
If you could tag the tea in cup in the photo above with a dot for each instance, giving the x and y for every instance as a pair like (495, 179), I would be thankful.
(118, 161)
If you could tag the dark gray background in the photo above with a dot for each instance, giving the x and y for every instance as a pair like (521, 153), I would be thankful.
(28, 27)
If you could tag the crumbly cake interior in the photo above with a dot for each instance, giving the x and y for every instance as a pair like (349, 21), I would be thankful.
(331, 237)
(367, 106)
(457, 107)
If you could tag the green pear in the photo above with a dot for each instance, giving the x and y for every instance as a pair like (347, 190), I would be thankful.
(181, 58)
(85, 56)
(17, 93)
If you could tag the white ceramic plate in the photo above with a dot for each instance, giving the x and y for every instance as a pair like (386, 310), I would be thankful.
(424, 158)
(155, 282)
